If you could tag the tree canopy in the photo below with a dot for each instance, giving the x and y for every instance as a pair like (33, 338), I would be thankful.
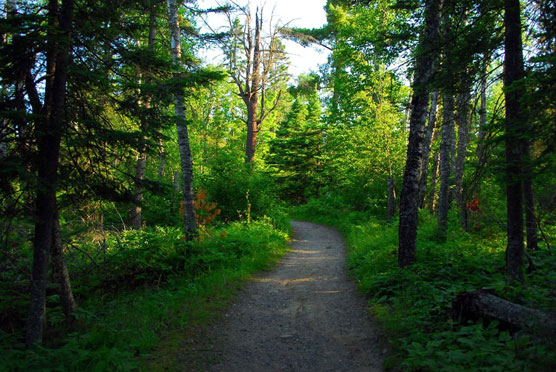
(130, 163)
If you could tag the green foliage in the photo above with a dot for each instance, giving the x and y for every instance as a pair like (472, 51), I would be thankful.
(237, 189)
(365, 124)
(413, 304)
(134, 287)
(295, 156)
(162, 276)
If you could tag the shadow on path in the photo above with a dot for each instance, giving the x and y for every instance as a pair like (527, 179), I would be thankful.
(304, 315)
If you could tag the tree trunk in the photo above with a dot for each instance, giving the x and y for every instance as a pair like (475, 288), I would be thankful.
(429, 138)
(513, 90)
(136, 215)
(485, 305)
(251, 140)
(482, 118)
(177, 181)
(61, 273)
(445, 163)
(425, 68)
(390, 198)
(49, 136)
(183, 137)
(462, 120)
(19, 123)
(161, 153)
(4, 130)
(253, 93)
(432, 193)
(161, 157)
(251, 75)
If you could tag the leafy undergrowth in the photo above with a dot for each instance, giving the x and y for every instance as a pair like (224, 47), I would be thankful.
(413, 304)
(148, 284)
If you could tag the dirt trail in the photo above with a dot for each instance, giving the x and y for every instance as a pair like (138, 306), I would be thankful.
(304, 315)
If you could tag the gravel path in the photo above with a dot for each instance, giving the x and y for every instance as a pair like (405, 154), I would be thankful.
(304, 315)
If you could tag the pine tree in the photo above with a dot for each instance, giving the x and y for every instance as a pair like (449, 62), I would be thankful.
(295, 152)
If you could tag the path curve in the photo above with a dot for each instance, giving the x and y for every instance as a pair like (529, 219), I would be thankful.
(304, 315)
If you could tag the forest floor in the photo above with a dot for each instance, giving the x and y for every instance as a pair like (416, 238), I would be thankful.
(304, 315)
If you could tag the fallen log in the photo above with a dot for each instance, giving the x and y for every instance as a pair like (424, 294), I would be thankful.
(485, 305)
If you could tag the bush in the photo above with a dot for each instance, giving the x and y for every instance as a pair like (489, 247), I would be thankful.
(238, 190)
(168, 282)
(414, 304)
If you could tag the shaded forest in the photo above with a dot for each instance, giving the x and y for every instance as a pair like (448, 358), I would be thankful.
(140, 185)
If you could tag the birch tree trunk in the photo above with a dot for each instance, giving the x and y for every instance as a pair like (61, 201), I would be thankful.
(429, 138)
(425, 68)
(183, 138)
(513, 72)
(49, 137)
(445, 162)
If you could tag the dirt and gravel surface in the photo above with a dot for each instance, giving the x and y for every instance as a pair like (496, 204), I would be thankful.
(304, 315)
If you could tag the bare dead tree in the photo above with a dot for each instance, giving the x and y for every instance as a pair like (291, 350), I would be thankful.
(255, 62)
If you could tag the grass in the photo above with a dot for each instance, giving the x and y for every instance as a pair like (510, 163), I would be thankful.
(153, 291)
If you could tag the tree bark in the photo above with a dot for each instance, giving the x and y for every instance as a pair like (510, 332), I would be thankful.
(462, 120)
(177, 181)
(425, 68)
(161, 157)
(252, 76)
(429, 138)
(183, 137)
(136, 213)
(49, 137)
(390, 198)
(513, 90)
(482, 118)
(446, 145)
(61, 273)
(432, 193)
(252, 94)
(252, 130)
(485, 305)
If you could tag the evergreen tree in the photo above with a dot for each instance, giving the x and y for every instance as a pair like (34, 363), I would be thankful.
(295, 153)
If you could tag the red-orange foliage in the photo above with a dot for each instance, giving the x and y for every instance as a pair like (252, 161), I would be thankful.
(473, 206)
(205, 211)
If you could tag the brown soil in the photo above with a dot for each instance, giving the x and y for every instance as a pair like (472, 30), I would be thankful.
(304, 315)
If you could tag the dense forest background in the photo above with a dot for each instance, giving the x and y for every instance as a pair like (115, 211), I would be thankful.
(139, 186)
